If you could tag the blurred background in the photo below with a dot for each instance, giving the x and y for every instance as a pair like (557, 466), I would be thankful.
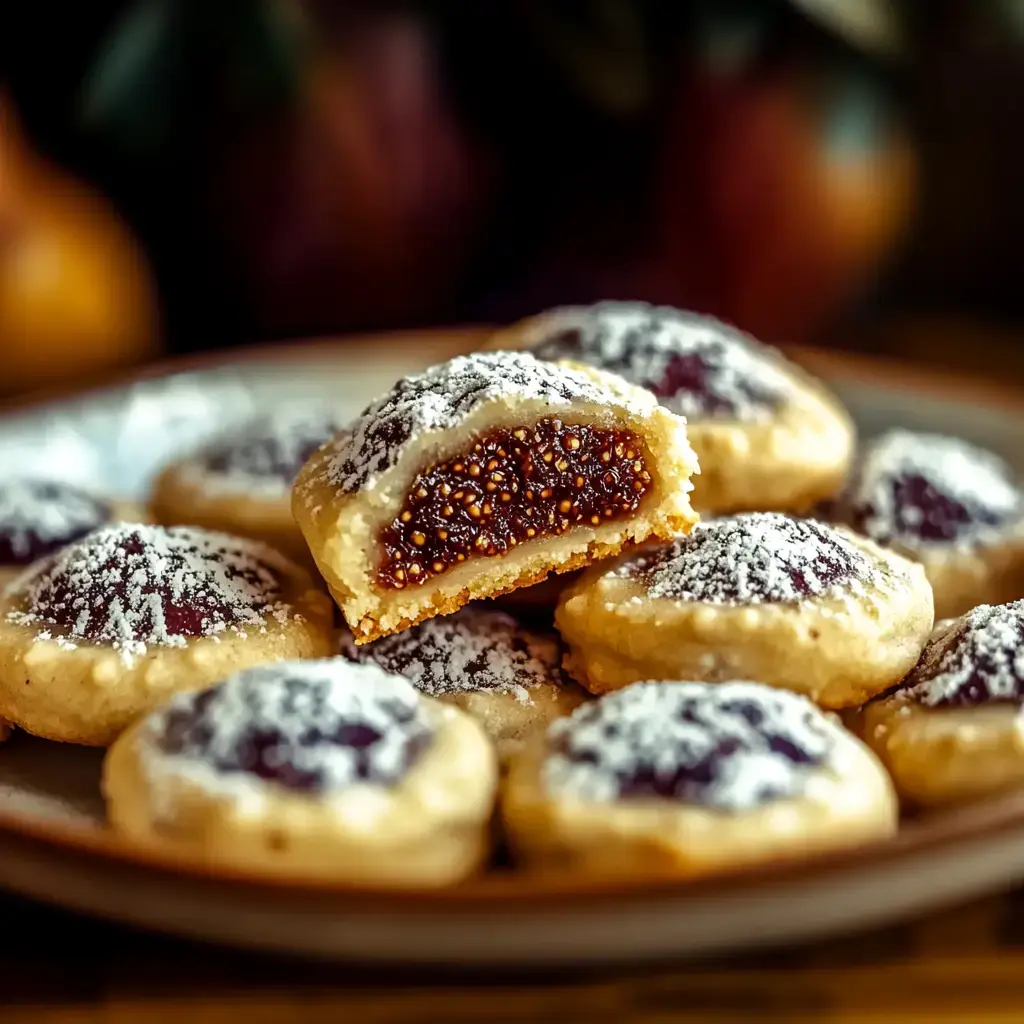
(179, 176)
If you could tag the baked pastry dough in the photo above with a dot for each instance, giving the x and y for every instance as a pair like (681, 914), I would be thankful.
(38, 516)
(789, 602)
(687, 779)
(241, 482)
(310, 769)
(953, 731)
(482, 475)
(767, 434)
(950, 505)
(113, 624)
(509, 678)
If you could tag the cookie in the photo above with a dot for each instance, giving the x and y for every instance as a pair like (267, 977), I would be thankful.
(688, 779)
(38, 516)
(482, 475)
(309, 769)
(113, 624)
(953, 730)
(954, 507)
(509, 678)
(240, 483)
(768, 435)
(789, 602)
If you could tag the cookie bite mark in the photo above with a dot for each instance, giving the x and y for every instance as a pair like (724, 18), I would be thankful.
(39, 516)
(687, 778)
(319, 768)
(514, 485)
(510, 678)
(789, 602)
(953, 730)
(954, 507)
(483, 475)
(116, 622)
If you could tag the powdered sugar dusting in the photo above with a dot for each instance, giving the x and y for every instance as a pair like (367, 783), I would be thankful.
(696, 365)
(443, 396)
(919, 489)
(473, 650)
(39, 516)
(264, 456)
(306, 725)
(729, 746)
(756, 558)
(977, 659)
(134, 586)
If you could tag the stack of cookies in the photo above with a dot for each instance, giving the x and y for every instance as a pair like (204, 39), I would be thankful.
(723, 648)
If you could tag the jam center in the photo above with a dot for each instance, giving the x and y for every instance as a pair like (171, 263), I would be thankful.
(38, 517)
(515, 485)
(289, 731)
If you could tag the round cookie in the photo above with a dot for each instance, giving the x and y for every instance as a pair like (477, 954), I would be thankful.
(37, 517)
(509, 678)
(310, 769)
(482, 475)
(789, 602)
(950, 505)
(768, 436)
(954, 730)
(241, 482)
(687, 779)
(113, 624)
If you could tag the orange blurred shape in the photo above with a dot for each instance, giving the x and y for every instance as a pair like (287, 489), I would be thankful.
(76, 296)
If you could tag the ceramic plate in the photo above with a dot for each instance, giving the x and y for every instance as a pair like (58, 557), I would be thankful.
(54, 845)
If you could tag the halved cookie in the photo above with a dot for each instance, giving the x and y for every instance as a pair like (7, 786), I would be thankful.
(484, 474)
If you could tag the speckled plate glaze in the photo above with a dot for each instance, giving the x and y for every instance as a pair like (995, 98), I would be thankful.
(54, 845)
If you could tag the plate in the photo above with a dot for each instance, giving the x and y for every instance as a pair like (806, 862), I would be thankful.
(54, 845)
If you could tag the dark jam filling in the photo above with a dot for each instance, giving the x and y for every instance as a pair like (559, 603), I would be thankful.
(701, 375)
(925, 513)
(989, 669)
(515, 485)
(656, 773)
(25, 543)
(273, 755)
(273, 457)
(165, 594)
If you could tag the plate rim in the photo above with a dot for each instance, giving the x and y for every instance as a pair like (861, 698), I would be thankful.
(976, 822)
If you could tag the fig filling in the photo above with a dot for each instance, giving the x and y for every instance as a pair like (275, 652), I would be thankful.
(39, 516)
(978, 660)
(300, 725)
(730, 746)
(515, 485)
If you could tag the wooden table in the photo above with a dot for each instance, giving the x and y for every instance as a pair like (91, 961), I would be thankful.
(965, 964)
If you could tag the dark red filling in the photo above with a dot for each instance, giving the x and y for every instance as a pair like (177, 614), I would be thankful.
(515, 485)
(697, 374)
(163, 596)
(694, 780)
(926, 513)
(273, 456)
(24, 543)
(273, 755)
